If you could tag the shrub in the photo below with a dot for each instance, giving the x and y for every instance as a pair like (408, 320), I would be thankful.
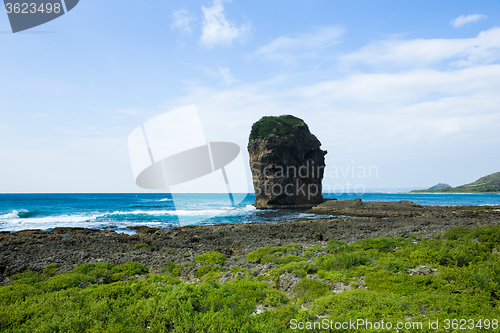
(342, 261)
(299, 269)
(397, 265)
(211, 258)
(309, 252)
(309, 289)
(273, 254)
(50, 270)
(27, 277)
(335, 245)
(380, 244)
(140, 246)
(205, 269)
(211, 276)
(96, 270)
(129, 269)
(171, 268)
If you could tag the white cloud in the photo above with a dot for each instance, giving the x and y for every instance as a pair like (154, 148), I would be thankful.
(226, 75)
(219, 73)
(182, 20)
(404, 87)
(463, 20)
(217, 30)
(390, 120)
(485, 48)
(390, 110)
(290, 47)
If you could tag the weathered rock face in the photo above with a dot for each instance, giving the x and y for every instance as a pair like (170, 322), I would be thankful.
(287, 163)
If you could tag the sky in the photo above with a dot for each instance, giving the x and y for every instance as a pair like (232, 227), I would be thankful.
(408, 90)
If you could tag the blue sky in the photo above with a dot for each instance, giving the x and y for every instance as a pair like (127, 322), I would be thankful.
(410, 88)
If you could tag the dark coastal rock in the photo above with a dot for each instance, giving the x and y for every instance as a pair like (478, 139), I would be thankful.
(69, 247)
(287, 163)
(356, 207)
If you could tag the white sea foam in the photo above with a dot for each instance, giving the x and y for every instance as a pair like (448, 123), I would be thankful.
(10, 216)
(48, 222)
(166, 199)
(179, 212)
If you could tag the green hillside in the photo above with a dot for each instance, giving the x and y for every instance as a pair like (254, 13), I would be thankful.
(486, 184)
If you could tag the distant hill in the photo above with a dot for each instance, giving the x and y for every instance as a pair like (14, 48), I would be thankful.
(486, 184)
(439, 186)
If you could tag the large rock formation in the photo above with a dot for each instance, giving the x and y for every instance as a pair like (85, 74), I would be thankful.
(287, 163)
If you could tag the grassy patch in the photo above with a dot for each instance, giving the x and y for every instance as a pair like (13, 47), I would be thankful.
(280, 126)
(274, 254)
(310, 289)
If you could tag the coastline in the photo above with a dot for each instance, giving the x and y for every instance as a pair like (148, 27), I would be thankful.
(356, 220)
(398, 263)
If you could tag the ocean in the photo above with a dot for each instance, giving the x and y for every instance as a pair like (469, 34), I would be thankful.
(121, 211)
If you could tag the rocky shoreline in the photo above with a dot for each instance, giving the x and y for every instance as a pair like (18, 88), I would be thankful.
(352, 220)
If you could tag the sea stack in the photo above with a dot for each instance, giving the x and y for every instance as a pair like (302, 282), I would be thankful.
(287, 163)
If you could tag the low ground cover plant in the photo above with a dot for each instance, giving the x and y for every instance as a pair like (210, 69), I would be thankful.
(454, 276)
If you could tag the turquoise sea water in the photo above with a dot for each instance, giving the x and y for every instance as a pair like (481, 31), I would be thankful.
(47, 211)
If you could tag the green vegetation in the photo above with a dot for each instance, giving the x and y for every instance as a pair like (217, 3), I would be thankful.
(336, 246)
(211, 269)
(309, 289)
(486, 184)
(50, 270)
(383, 279)
(211, 258)
(140, 246)
(310, 251)
(173, 269)
(207, 272)
(279, 126)
(487, 208)
(275, 254)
